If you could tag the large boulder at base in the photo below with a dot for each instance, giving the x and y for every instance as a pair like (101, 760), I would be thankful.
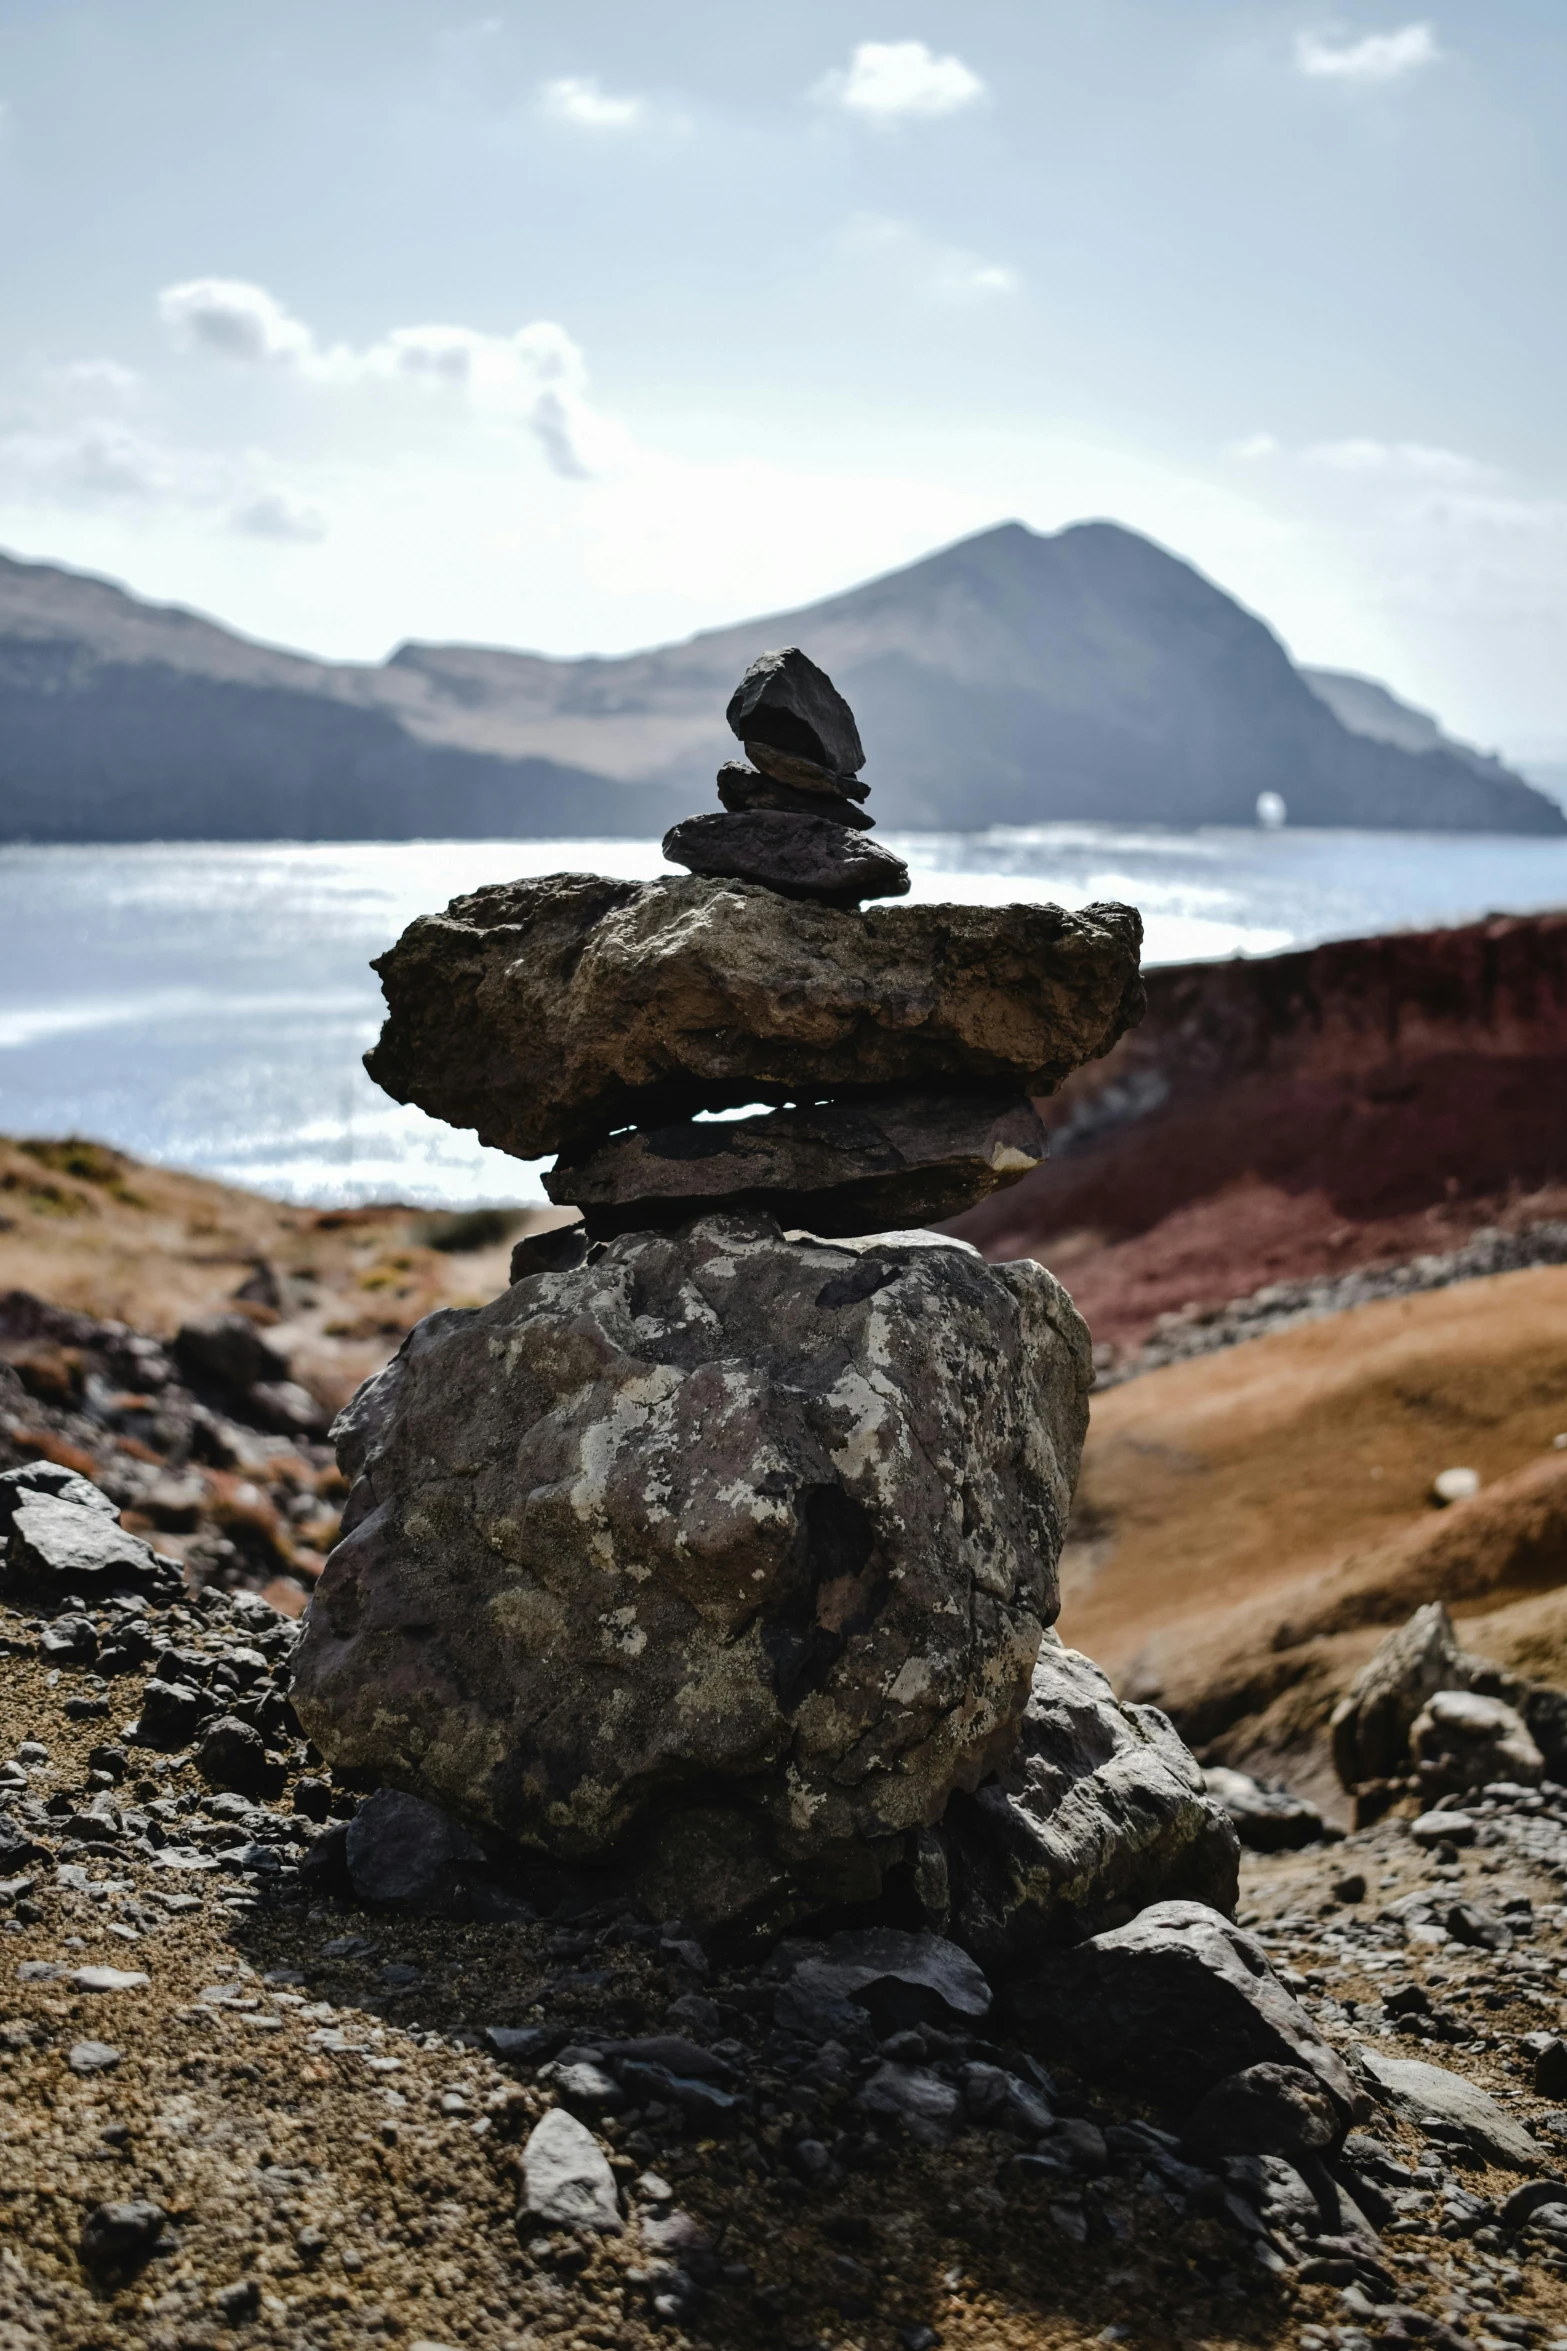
(1371, 1725)
(1100, 1812)
(837, 1167)
(546, 1013)
(724, 1553)
(1170, 2005)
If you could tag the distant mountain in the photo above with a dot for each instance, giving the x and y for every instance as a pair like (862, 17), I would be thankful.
(1012, 679)
(1368, 708)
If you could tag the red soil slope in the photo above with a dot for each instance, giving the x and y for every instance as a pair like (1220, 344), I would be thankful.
(1302, 1114)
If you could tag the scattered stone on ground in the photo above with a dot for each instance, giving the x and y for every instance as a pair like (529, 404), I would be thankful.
(313, 2127)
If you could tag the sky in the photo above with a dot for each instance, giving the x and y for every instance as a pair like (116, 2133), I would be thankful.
(350, 321)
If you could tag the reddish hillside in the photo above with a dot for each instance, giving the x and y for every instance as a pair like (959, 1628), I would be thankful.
(1302, 1114)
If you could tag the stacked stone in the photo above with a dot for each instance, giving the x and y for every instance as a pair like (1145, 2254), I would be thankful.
(899, 1046)
(795, 817)
(717, 1553)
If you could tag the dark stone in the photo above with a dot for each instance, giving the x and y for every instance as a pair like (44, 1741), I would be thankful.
(1263, 2110)
(404, 1851)
(229, 1349)
(541, 1013)
(313, 1799)
(286, 1408)
(798, 856)
(786, 703)
(741, 788)
(324, 1870)
(1101, 1812)
(916, 2100)
(69, 1640)
(1169, 2005)
(555, 1251)
(118, 2235)
(171, 1714)
(836, 1168)
(804, 775)
(232, 1755)
(1550, 2063)
(19, 1848)
(1267, 1820)
(238, 2303)
(896, 1980)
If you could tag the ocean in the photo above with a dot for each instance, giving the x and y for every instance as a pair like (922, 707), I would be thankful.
(206, 1005)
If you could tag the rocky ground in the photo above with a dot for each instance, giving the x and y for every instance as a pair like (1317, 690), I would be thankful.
(241, 2109)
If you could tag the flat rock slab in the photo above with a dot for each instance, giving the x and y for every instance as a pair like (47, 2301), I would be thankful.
(885, 1980)
(718, 1550)
(839, 1167)
(789, 705)
(1101, 1812)
(57, 1546)
(809, 857)
(544, 1013)
(742, 787)
(1170, 2004)
(1428, 2094)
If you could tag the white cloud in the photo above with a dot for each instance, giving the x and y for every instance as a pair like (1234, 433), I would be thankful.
(235, 320)
(1397, 460)
(1254, 448)
(578, 99)
(899, 81)
(535, 377)
(279, 514)
(100, 378)
(1379, 57)
(901, 251)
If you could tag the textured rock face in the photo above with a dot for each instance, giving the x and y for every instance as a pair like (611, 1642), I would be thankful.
(809, 857)
(57, 1540)
(1371, 1726)
(1101, 1812)
(1173, 2003)
(839, 1167)
(728, 1553)
(543, 1012)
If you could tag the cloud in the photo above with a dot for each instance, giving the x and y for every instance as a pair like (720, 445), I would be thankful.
(235, 320)
(1379, 57)
(100, 377)
(578, 99)
(899, 81)
(279, 514)
(901, 251)
(1397, 460)
(535, 378)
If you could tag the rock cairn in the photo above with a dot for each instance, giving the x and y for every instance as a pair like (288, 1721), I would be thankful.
(718, 1552)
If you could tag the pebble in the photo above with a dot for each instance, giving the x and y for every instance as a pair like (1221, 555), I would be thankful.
(93, 2057)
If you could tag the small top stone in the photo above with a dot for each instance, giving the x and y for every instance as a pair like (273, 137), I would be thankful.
(784, 701)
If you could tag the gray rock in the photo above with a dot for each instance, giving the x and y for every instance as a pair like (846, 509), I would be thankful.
(58, 1546)
(118, 2235)
(283, 1405)
(230, 1349)
(89, 2057)
(1100, 1812)
(583, 2086)
(919, 2101)
(233, 1755)
(777, 1518)
(1002, 2102)
(47, 1480)
(894, 1979)
(1266, 1820)
(19, 1848)
(1263, 2110)
(1461, 1740)
(1169, 2005)
(785, 703)
(741, 787)
(836, 1168)
(567, 2182)
(69, 1640)
(404, 1851)
(1371, 1726)
(807, 857)
(541, 1013)
(171, 1714)
(1428, 2095)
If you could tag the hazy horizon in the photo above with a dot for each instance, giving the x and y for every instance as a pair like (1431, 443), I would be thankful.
(584, 335)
